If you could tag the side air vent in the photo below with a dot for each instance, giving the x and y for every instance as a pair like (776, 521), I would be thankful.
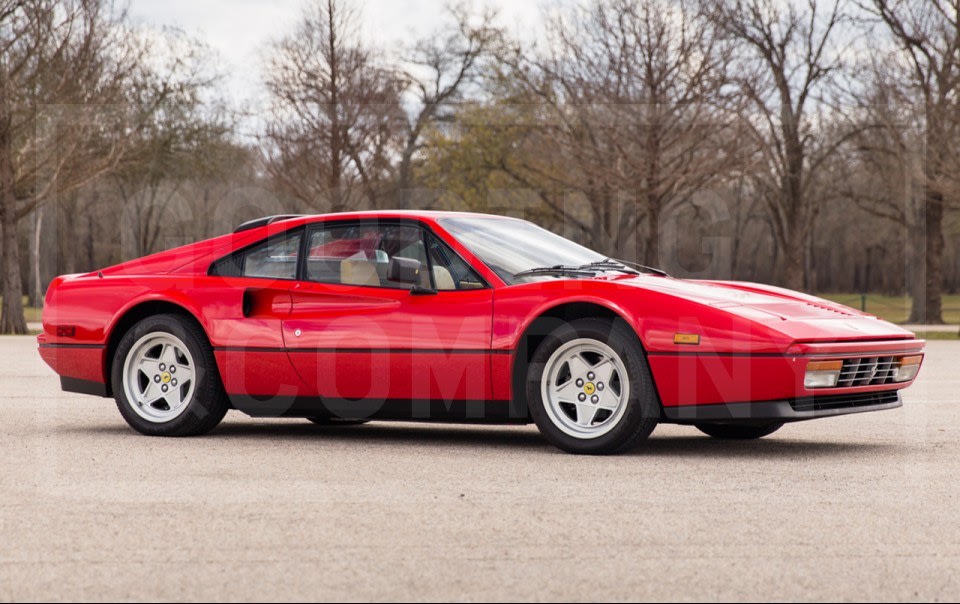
(259, 222)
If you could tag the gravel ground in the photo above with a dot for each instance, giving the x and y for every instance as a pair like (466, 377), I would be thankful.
(856, 508)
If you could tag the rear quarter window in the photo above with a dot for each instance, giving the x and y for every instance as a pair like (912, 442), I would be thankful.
(273, 258)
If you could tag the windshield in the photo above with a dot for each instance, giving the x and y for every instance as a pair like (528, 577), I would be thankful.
(509, 246)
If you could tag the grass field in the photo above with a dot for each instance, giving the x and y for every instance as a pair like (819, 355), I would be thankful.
(32, 314)
(896, 308)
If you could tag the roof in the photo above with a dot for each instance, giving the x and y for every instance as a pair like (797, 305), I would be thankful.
(294, 220)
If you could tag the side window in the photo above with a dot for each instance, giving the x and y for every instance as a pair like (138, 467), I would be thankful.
(273, 258)
(450, 271)
(360, 254)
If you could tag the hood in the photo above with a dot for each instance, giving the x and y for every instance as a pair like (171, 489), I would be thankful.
(801, 317)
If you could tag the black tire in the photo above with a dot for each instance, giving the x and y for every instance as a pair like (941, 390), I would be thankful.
(336, 421)
(209, 402)
(642, 412)
(739, 431)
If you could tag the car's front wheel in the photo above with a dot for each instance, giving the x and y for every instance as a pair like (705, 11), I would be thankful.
(589, 388)
(739, 431)
(165, 378)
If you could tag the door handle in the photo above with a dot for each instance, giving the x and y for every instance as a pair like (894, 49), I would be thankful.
(265, 301)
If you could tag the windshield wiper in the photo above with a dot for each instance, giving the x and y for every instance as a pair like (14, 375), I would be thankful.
(556, 270)
(590, 269)
(610, 264)
(643, 267)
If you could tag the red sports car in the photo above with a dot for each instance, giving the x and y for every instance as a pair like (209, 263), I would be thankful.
(457, 317)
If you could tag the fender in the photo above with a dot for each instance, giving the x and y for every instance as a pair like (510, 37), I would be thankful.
(549, 305)
(178, 298)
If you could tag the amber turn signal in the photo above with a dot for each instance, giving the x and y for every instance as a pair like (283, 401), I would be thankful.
(686, 338)
(824, 365)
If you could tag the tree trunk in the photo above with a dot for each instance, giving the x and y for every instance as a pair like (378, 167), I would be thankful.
(797, 223)
(915, 281)
(932, 302)
(651, 253)
(793, 269)
(11, 288)
(68, 257)
(405, 180)
(809, 266)
(794, 256)
(90, 257)
(933, 200)
(36, 285)
(12, 320)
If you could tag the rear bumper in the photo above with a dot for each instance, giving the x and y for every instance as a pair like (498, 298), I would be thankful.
(80, 366)
(792, 410)
(78, 386)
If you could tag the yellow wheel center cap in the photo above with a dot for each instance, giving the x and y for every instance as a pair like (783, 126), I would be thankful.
(166, 377)
(589, 388)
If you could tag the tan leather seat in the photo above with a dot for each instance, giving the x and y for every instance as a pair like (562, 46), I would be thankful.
(443, 279)
(358, 271)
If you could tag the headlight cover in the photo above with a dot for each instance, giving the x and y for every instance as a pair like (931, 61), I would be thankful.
(907, 368)
(822, 374)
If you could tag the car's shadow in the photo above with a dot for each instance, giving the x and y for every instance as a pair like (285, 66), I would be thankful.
(524, 439)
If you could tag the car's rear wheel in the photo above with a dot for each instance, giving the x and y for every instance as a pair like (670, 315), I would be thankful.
(739, 431)
(589, 388)
(165, 378)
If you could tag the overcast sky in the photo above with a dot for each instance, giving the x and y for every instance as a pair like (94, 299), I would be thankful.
(238, 30)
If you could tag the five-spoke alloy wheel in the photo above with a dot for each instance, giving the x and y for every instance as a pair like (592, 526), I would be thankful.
(589, 388)
(584, 388)
(158, 377)
(165, 378)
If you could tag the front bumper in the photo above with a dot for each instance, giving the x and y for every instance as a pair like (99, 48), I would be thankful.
(702, 377)
(791, 410)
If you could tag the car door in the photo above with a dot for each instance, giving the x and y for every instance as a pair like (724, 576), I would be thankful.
(364, 340)
(249, 297)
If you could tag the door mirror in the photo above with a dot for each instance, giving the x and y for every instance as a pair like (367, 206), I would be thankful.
(404, 270)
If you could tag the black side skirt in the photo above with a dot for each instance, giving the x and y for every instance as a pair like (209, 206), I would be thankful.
(466, 412)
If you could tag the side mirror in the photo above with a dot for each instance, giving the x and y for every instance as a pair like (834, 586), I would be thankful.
(404, 270)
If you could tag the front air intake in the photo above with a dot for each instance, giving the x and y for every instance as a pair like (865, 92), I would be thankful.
(867, 371)
(845, 401)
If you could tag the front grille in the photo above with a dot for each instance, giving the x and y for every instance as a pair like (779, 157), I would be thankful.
(867, 371)
(844, 401)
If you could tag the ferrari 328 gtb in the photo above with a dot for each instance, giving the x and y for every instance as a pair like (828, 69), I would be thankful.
(457, 317)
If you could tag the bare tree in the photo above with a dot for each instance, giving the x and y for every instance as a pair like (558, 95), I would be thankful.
(63, 68)
(438, 71)
(886, 160)
(791, 55)
(174, 144)
(336, 112)
(633, 98)
(927, 33)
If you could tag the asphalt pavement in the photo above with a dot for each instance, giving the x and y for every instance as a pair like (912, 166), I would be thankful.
(864, 507)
